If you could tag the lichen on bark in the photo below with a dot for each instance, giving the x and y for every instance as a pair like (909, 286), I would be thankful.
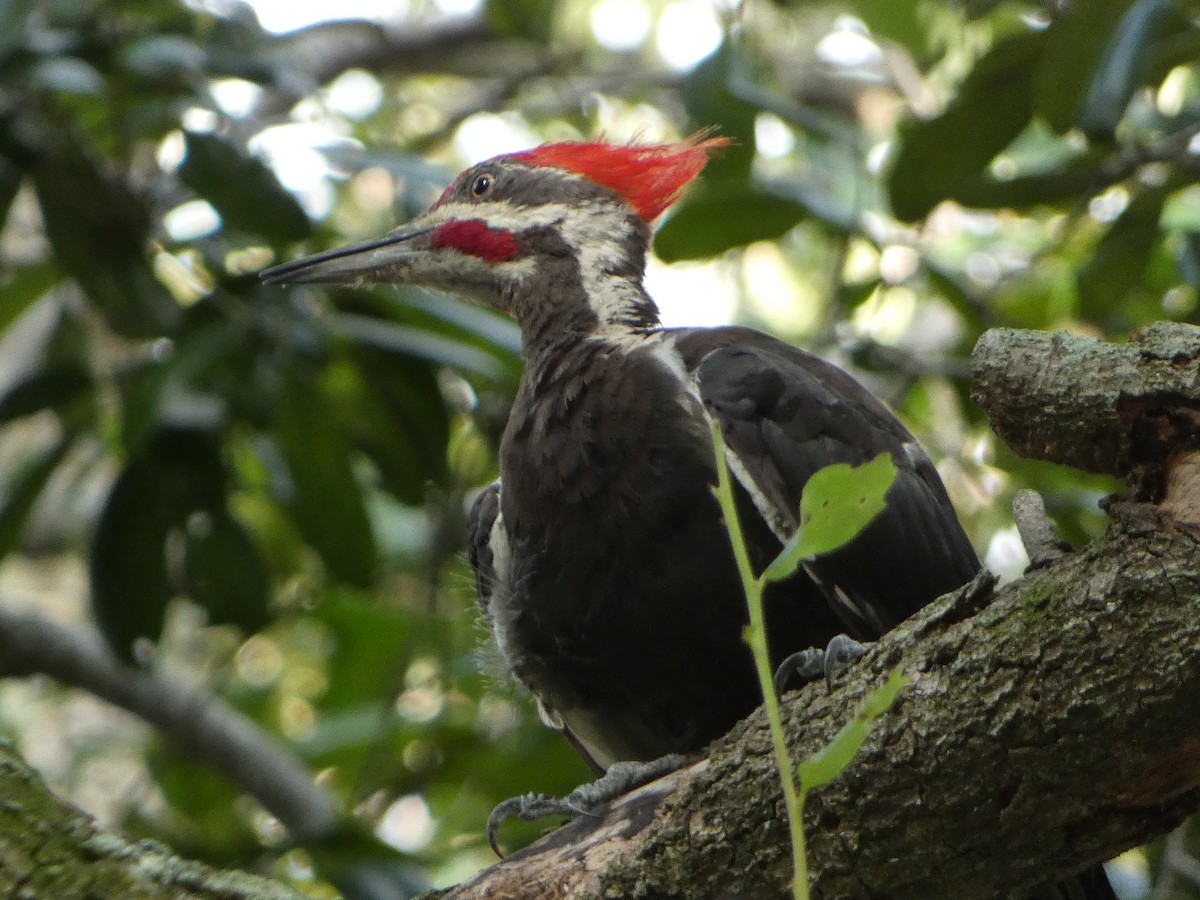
(50, 849)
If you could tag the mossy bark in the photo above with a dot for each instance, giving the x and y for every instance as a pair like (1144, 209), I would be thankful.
(1115, 409)
(50, 849)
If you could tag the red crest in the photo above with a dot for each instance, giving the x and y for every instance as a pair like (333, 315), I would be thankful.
(650, 178)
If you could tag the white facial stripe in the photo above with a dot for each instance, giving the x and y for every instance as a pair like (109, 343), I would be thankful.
(596, 231)
(496, 213)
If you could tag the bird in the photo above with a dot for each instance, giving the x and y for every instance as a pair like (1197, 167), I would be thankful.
(602, 563)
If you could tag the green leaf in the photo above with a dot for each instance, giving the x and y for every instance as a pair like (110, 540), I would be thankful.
(495, 332)
(1075, 43)
(202, 804)
(992, 107)
(1060, 185)
(952, 286)
(1118, 73)
(178, 475)
(1178, 45)
(830, 761)
(24, 286)
(45, 357)
(224, 574)
(527, 20)
(79, 203)
(192, 383)
(67, 75)
(10, 183)
(371, 637)
(399, 420)
(325, 499)
(417, 342)
(1181, 211)
(1120, 258)
(838, 502)
(163, 56)
(128, 566)
(907, 24)
(48, 389)
(710, 99)
(1188, 257)
(14, 19)
(242, 189)
(25, 487)
(716, 217)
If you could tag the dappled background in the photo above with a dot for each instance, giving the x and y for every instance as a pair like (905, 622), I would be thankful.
(261, 490)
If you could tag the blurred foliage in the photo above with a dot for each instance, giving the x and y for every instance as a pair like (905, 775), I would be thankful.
(295, 463)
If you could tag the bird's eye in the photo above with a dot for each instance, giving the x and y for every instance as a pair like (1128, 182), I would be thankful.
(482, 184)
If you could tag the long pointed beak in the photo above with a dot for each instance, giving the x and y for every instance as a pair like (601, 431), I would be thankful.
(383, 259)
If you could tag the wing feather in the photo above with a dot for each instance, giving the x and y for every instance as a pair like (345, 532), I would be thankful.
(786, 414)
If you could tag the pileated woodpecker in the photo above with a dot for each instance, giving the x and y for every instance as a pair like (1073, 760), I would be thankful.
(603, 566)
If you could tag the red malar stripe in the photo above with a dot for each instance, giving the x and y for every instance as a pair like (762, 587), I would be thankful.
(475, 238)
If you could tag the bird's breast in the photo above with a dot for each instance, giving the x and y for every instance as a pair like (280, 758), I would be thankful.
(620, 606)
(593, 432)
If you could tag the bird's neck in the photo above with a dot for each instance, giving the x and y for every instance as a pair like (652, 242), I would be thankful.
(566, 307)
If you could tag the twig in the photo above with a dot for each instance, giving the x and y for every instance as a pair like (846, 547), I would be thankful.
(1038, 534)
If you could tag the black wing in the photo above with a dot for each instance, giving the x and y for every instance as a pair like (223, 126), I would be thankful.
(480, 554)
(785, 414)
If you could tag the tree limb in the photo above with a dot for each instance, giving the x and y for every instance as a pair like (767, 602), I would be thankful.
(1047, 726)
(1038, 534)
(1116, 409)
(198, 723)
(462, 45)
(50, 849)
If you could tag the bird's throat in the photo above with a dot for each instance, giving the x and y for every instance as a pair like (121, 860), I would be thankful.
(563, 312)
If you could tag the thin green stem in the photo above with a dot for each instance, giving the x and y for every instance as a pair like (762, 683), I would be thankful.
(756, 637)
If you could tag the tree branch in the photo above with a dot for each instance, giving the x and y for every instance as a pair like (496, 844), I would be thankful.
(461, 45)
(196, 722)
(1047, 726)
(50, 849)
(1114, 409)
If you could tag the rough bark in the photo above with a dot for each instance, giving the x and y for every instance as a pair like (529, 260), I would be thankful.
(1047, 726)
(49, 849)
(1114, 409)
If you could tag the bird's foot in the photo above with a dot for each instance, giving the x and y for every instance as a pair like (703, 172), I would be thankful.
(813, 663)
(590, 799)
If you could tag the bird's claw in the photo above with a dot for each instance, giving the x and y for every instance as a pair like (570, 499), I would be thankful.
(840, 653)
(813, 663)
(807, 665)
(590, 799)
(530, 807)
